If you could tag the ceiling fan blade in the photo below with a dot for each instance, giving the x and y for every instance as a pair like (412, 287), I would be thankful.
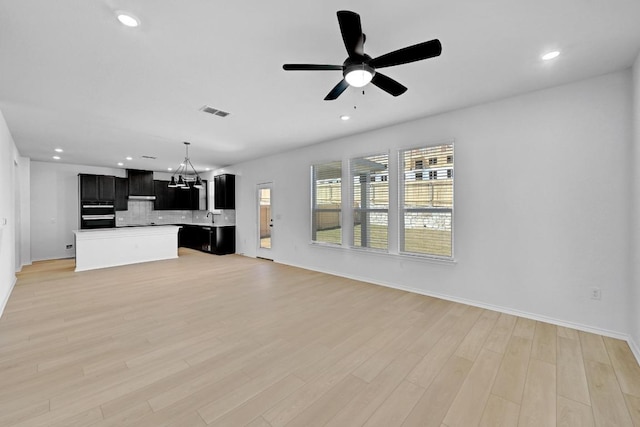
(351, 30)
(337, 90)
(413, 53)
(388, 85)
(311, 67)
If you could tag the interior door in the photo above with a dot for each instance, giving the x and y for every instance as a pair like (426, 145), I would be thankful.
(265, 221)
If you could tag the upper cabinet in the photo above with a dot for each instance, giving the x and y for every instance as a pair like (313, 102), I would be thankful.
(140, 182)
(161, 191)
(122, 191)
(224, 191)
(97, 188)
(171, 198)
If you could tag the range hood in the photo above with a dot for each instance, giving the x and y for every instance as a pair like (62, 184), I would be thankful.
(140, 185)
(142, 197)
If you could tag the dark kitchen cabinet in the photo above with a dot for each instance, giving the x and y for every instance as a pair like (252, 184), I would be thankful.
(184, 197)
(225, 240)
(224, 191)
(140, 182)
(172, 198)
(161, 191)
(215, 240)
(122, 191)
(88, 187)
(97, 188)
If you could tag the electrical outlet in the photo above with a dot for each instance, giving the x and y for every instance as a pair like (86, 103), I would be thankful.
(596, 293)
(69, 246)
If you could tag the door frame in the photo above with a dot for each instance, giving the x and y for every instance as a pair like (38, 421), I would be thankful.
(266, 253)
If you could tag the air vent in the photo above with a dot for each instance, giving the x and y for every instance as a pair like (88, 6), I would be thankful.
(214, 111)
(149, 157)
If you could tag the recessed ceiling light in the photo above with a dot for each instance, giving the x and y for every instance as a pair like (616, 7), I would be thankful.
(56, 157)
(169, 169)
(58, 150)
(550, 55)
(120, 164)
(345, 118)
(129, 158)
(127, 19)
(207, 169)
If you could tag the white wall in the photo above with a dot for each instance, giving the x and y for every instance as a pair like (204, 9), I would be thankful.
(8, 153)
(542, 210)
(25, 210)
(54, 206)
(22, 189)
(634, 300)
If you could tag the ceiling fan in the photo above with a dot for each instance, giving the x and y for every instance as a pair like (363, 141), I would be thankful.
(359, 68)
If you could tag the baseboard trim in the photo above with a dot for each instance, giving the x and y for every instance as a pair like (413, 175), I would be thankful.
(49, 259)
(23, 266)
(501, 309)
(6, 299)
(634, 348)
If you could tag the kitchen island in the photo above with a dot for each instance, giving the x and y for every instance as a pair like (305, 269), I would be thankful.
(110, 247)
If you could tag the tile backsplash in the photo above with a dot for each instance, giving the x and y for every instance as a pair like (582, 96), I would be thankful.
(140, 212)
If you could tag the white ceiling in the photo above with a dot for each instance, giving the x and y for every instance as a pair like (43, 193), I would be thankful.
(72, 76)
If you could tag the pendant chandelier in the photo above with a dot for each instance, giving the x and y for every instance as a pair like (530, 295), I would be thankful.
(187, 176)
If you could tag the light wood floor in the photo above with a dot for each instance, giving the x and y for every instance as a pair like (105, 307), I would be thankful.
(234, 341)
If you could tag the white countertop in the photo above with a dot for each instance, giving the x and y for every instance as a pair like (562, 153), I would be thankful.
(199, 224)
(208, 224)
(128, 229)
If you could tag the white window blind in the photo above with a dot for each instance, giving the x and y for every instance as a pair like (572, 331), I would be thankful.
(370, 185)
(426, 196)
(326, 201)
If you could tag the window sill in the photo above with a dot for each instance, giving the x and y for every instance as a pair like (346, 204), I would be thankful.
(325, 245)
(377, 252)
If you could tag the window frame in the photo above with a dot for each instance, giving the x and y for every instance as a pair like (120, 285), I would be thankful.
(401, 201)
(352, 208)
(314, 209)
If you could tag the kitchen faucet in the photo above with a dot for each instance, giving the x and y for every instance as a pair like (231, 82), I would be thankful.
(210, 213)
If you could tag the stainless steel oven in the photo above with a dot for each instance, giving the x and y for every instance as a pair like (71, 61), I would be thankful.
(97, 215)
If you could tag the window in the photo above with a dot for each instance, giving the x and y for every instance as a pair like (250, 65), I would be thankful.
(426, 206)
(326, 200)
(419, 164)
(369, 176)
(433, 160)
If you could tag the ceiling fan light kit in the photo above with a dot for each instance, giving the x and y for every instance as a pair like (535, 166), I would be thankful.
(358, 75)
(359, 69)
